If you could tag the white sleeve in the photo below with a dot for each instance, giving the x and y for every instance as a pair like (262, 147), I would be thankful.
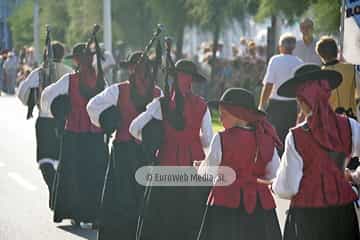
(153, 110)
(107, 98)
(206, 132)
(273, 166)
(270, 75)
(32, 81)
(287, 181)
(52, 91)
(357, 91)
(355, 138)
(213, 158)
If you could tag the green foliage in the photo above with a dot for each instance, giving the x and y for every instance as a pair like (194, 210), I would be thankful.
(83, 14)
(135, 21)
(175, 16)
(327, 16)
(56, 15)
(21, 23)
(215, 119)
(290, 9)
(210, 13)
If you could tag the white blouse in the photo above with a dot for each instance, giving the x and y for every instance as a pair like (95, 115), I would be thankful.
(290, 173)
(107, 98)
(214, 157)
(153, 110)
(33, 81)
(52, 91)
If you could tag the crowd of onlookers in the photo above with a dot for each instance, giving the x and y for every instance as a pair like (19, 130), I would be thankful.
(15, 67)
(244, 67)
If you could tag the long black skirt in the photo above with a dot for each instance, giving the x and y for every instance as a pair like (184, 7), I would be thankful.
(122, 195)
(47, 141)
(331, 223)
(174, 213)
(235, 223)
(80, 177)
(47, 147)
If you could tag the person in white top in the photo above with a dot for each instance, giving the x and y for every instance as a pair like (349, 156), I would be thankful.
(312, 170)
(108, 63)
(282, 111)
(29, 92)
(305, 47)
(113, 110)
(254, 159)
(187, 131)
(83, 152)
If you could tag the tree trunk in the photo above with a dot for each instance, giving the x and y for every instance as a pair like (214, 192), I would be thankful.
(214, 50)
(180, 41)
(273, 35)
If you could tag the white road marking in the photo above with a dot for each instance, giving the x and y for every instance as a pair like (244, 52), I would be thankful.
(20, 180)
(2, 164)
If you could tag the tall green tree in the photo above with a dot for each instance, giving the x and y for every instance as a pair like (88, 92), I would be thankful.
(214, 15)
(83, 14)
(290, 9)
(21, 24)
(175, 15)
(134, 21)
(55, 14)
(327, 15)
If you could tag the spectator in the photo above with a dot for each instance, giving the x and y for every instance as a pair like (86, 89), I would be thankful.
(22, 56)
(119, 54)
(107, 63)
(342, 99)
(282, 111)
(243, 47)
(305, 48)
(252, 53)
(235, 51)
(30, 57)
(10, 68)
(261, 52)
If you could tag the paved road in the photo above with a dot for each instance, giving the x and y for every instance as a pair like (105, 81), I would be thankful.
(23, 194)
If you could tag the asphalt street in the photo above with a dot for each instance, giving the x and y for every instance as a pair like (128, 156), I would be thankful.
(24, 212)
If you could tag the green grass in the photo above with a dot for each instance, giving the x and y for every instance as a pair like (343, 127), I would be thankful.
(216, 124)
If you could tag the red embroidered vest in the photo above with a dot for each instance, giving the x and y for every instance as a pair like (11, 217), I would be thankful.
(181, 148)
(238, 152)
(78, 120)
(323, 184)
(128, 111)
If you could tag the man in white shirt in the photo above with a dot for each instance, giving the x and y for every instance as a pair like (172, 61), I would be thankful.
(281, 111)
(305, 48)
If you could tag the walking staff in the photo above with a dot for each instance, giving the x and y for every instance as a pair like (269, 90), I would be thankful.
(29, 92)
(113, 110)
(186, 124)
(83, 153)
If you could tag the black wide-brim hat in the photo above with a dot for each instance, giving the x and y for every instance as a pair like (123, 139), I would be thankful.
(237, 97)
(189, 67)
(79, 49)
(132, 59)
(305, 73)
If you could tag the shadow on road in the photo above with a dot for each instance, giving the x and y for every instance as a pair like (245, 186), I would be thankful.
(84, 233)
